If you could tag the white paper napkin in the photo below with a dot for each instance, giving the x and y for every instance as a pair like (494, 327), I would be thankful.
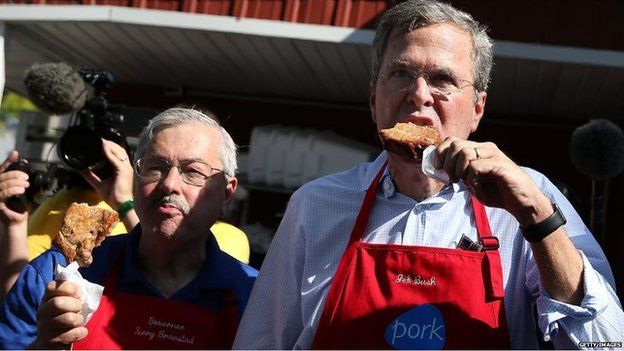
(428, 166)
(90, 293)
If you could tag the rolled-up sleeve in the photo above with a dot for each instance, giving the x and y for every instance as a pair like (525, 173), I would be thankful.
(598, 318)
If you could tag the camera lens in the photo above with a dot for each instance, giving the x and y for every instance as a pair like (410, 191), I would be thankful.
(80, 148)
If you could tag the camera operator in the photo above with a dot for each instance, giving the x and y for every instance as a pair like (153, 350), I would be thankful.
(57, 89)
(45, 222)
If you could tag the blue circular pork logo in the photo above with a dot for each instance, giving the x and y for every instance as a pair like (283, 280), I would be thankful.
(420, 328)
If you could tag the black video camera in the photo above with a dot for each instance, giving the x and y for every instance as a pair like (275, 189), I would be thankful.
(80, 148)
(40, 182)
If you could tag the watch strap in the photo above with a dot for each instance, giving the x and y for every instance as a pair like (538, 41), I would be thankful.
(538, 231)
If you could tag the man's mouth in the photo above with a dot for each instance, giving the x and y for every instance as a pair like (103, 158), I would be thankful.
(408, 140)
(173, 203)
(166, 208)
(419, 120)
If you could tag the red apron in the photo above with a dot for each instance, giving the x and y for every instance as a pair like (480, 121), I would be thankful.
(413, 297)
(130, 321)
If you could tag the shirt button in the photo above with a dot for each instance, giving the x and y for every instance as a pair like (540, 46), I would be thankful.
(387, 186)
(417, 207)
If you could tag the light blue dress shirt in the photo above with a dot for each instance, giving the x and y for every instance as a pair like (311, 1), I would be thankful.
(289, 295)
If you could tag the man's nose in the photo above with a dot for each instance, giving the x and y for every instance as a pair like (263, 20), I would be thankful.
(172, 180)
(419, 93)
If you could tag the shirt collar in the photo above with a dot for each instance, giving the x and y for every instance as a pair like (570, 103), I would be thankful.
(388, 189)
(372, 169)
(206, 279)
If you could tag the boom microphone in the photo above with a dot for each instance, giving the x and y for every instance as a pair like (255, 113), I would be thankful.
(55, 88)
(597, 150)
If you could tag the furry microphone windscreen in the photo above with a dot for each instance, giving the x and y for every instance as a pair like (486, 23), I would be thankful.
(597, 149)
(55, 88)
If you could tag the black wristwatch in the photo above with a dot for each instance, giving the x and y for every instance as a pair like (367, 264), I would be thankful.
(538, 231)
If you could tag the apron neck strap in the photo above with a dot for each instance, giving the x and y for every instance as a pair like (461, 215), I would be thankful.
(367, 206)
(488, 241)
(494, 283)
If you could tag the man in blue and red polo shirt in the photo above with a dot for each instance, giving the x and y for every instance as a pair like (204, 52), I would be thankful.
(166, 283)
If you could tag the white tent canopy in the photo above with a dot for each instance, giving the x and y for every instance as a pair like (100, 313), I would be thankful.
(264, 59)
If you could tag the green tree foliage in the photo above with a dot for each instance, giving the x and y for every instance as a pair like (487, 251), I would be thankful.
(12, 106)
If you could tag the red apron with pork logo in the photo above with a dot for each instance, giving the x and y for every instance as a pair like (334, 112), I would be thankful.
(412, 297)
(131, 321)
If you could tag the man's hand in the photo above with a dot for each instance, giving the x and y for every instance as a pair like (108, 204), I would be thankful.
(58, 322)
(116, 189)
(11, 183)
(494, 179)
(498, 182)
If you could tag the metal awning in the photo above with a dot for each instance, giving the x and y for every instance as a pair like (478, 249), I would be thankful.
(268, 59)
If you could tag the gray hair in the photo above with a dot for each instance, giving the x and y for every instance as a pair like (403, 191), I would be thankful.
(413, 14)
(175, 116)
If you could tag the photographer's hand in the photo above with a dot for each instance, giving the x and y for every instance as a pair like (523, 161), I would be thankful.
(11, 183)
(116, 189)
(13, 231)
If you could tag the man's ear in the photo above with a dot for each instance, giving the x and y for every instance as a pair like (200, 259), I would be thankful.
(479, 109)
(230, 189)
(371, 102)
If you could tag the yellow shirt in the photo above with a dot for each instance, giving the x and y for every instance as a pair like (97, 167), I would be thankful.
(46, 221)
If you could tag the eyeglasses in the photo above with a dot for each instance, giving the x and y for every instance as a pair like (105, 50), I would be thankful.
(193, 172)
(439, 83)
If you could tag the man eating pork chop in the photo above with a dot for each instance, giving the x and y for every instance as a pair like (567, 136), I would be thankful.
(381, 256)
